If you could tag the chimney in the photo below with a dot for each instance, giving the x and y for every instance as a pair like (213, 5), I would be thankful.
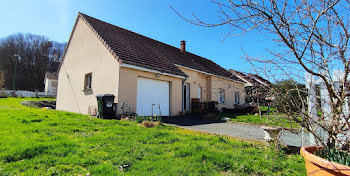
(183, 46)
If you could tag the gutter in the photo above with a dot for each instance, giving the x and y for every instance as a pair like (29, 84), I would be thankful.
(150, 70)
(210, 74)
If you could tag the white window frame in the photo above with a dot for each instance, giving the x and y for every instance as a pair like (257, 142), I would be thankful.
(221, 96)
(200, 93)
(237, 98)
(88, 81)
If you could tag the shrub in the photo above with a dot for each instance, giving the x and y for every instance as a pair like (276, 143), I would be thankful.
(13, 94)
(159, 119)
(140, 119)
(3, 94)
(286, 93)
(149, 124)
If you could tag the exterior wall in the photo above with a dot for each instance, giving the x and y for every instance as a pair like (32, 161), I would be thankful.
(196, 79)
(230, 88)
(49, 86)
(210, 88)
(209, 94)
(86, 54)
(128, 90)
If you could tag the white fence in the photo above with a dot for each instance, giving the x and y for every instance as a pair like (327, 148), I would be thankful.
(26, 93)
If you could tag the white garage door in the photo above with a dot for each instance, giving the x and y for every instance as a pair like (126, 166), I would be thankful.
(152, 97)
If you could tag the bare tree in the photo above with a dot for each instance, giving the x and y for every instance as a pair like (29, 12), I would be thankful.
(2, 80)
(37, 56)
(312, 37)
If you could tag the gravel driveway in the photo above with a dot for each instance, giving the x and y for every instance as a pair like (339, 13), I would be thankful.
(238, 130)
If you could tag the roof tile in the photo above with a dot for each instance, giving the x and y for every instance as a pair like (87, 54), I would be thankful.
(138, 50)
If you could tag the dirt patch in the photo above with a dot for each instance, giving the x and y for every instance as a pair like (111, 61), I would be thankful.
(40, 104)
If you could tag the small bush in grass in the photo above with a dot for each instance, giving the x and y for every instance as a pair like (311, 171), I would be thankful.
(140, 119)
(3, 94)
(149, 124)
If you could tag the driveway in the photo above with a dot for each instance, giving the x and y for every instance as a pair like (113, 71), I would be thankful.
(235, 130)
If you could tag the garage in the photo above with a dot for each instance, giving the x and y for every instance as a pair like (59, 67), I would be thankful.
(152, 97)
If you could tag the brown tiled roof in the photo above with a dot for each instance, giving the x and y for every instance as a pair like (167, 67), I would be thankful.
(248, 77)
(138, 50)
(255, 76)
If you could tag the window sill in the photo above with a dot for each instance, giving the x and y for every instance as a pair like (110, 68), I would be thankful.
(85, 90)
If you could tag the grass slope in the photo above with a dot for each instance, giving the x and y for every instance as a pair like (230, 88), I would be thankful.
(273, 119)
(48, 142)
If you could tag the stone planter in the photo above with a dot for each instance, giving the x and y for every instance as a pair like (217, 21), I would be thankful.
(271, 133)
(317, 166)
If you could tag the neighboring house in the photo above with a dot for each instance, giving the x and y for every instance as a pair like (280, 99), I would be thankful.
(255, 86)
(260, 79)
(146, 76)
(51, 82)
(250, 79)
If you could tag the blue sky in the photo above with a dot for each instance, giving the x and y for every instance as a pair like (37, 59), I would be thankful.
(152, 18)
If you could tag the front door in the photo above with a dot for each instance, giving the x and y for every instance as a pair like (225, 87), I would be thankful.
(186, 97)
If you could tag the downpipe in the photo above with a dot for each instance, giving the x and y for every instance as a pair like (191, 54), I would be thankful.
(183, 105)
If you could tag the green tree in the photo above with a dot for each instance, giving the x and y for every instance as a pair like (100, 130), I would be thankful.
(287, 93)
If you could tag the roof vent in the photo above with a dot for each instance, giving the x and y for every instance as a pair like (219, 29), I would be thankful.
(183, 46)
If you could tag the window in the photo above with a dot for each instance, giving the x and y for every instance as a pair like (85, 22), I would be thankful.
(237, 97)
(199, 93)
(221, 95)
(88, 80)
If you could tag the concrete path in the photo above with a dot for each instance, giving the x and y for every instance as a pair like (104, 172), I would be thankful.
(240, 130)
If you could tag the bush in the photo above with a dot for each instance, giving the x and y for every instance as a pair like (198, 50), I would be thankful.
(140, 119)
(13, 94)
(149, 124)
(287, 96)
(3, 94)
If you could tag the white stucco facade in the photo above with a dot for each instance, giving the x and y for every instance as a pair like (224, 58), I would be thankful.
(85, 54)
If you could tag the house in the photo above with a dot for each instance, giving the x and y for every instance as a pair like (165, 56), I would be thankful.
(51, 82)
(146, 76)
(255, 86)
(250, 79)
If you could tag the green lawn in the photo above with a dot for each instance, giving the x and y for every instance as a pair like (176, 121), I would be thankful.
(273, 119)
(48, 142)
